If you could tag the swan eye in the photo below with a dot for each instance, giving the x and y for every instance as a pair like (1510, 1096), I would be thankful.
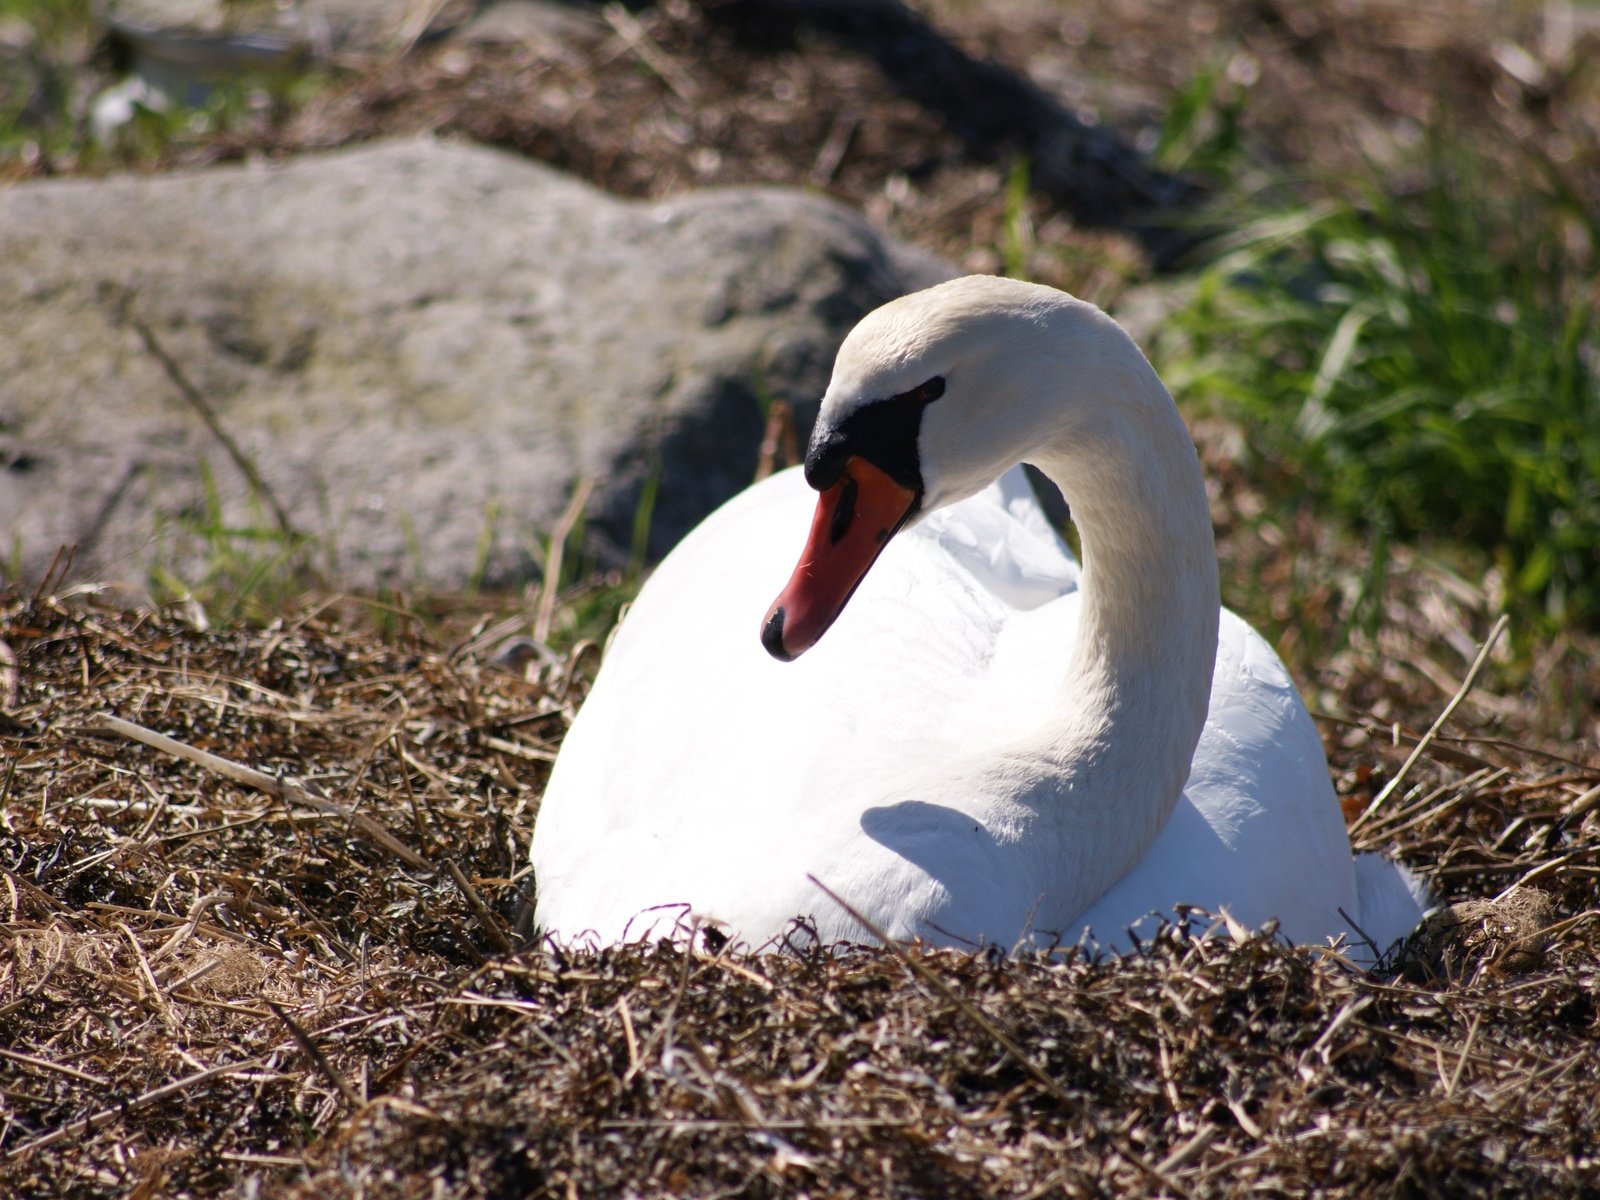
(925, 393)
(884, 432)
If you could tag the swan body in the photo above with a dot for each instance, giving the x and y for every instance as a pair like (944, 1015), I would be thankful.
(991, 745)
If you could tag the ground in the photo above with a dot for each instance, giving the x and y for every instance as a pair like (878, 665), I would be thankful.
(260, 890)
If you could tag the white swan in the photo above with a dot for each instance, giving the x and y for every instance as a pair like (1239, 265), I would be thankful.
(990, 746)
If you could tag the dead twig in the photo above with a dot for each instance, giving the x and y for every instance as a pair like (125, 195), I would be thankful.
(1449, 710)
(486, 922)
(44, 1064)
(280, 789)
(197, 401)
(315, 1054)
(636, 39)
(104, 1116)
(10, 678)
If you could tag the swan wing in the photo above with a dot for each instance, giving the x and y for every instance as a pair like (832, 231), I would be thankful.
(704, 778)
(703, 775)
(1258, 832)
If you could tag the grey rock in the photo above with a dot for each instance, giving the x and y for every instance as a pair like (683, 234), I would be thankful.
(420, 346)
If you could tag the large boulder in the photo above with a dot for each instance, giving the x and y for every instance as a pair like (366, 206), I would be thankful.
(418, 346)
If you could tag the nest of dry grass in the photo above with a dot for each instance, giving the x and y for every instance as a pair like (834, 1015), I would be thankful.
(271, 955)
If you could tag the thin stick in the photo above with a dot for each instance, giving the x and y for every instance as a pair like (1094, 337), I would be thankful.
(280, 789)
(633, 1041)
(552, 559)
(518, 750)
(201, 405)
(833, 150)
(105, 1116)
(1442, 748)
(1466, 1052)
(193, 976)
(1579, 807)
(56, 572)
(1449, 710)
(1548, 867)
(636, 38)
(10, 687)
(418, 19)
(315, 1054)
(146, 974)
(44, 1064)
(1195, 1146)
(479, 909)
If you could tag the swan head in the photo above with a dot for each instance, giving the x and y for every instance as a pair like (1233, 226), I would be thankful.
(933, 397)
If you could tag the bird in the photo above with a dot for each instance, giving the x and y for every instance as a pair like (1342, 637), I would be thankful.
(946, 728)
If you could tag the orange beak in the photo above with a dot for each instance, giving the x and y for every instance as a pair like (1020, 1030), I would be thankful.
(854, 521)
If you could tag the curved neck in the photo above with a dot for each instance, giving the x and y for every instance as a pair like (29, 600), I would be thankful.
(1137, 687)
(1150, 586)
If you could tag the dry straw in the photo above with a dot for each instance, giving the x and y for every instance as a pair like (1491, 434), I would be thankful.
(255, 891)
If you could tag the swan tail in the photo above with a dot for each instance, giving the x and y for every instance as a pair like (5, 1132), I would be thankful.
(1391, 898)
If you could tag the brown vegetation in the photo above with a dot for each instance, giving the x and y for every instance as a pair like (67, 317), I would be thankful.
(271, 956)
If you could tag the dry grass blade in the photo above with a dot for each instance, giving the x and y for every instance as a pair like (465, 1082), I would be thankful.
(8, 677)
(315, 1054)
(1583, 805)
(550, 587)
(1449, 710)
(636, 39)
(197, 401)
(486, 921)
(289, 793)
(105, 1116)
(44, 1064)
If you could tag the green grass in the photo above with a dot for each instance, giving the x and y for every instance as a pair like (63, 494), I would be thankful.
(1420, 366)
(251, 571)
(1200, 132)
(43, 89)
(1017, 231)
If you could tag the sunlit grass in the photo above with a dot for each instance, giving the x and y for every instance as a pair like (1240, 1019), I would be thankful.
(250, 570)
(1419, 366)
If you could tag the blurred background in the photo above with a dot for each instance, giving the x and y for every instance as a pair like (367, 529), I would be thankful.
(1358, 238)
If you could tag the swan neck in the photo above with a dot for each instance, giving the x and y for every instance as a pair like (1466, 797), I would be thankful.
(1150, 588)
(1137, 686)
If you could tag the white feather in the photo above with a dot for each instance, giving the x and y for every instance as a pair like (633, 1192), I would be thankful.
(953, 758)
